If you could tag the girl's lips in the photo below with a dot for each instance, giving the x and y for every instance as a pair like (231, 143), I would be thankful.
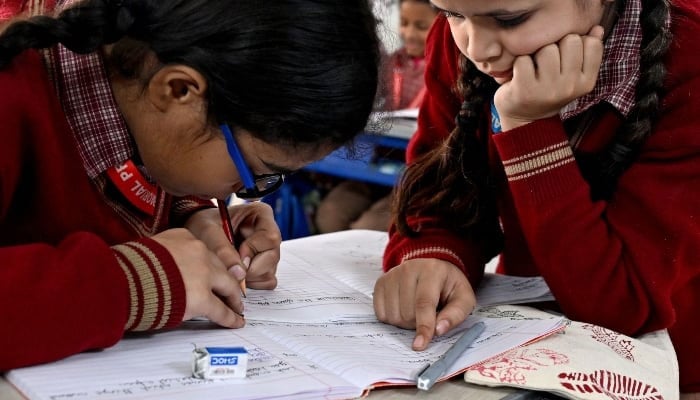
(501, 74)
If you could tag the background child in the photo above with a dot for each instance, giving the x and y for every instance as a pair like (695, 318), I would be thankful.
(359, 205)
(586, 170)
(116, 135)
(12, 8)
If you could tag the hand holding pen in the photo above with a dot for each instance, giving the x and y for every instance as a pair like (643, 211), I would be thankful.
(257, 238)
(228, 230)
(210, 290)
(254, 257)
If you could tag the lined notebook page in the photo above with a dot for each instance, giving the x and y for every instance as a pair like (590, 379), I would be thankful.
(315, 286)
(321, 278)
(333, 360)
(159, 367)
(371, 352)
(334, 348)
(496, 289)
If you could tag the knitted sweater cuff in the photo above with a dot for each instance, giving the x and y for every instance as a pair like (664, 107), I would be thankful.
(435, 243)
(539, 152)
(156, 288)
(183, 208)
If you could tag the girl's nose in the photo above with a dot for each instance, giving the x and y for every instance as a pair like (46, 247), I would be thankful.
(482, 44)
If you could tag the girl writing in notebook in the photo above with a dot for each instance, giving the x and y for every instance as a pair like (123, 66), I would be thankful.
(562, 135)
(122, 119)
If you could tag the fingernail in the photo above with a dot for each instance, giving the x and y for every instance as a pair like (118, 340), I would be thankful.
(442, 327)
(237, 271)
(246, 262)
(418, 342)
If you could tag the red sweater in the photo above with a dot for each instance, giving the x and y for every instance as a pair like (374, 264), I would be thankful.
(631, 264)
(77, 269)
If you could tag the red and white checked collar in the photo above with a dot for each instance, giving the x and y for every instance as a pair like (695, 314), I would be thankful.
(88, 102)
(619, 72)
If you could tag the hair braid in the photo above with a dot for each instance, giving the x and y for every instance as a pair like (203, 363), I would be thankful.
(82, 29)
(460, 162)
(656, 39)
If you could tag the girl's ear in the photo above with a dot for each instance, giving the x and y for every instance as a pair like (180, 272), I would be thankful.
(176, 85)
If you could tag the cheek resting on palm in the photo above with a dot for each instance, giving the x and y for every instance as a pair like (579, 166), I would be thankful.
(550, 79)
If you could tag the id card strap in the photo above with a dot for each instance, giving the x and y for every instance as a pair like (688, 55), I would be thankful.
(134, 186)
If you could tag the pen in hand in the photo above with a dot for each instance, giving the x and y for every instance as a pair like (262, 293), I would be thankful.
(228, 230)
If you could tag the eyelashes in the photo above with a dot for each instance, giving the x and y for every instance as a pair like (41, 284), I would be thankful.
(511, 22)
(450, 14)
(502, 21)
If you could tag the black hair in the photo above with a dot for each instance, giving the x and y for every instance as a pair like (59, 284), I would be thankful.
(291, 72)
(454, 180)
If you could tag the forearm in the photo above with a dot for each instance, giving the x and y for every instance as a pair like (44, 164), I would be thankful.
(76, 296)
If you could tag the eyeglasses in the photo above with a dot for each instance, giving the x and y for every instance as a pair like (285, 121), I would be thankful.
(256, 186)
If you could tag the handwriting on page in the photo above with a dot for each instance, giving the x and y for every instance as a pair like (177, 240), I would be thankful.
(496, 289)
(320, 339)
(371, 349)
(311, 291)
(132, 369)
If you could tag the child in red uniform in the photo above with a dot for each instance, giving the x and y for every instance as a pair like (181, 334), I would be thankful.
(12, 8)
(116, 134)
(358, 205)
(575, 154)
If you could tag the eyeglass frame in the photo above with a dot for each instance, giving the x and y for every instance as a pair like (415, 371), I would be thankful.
(251, 189)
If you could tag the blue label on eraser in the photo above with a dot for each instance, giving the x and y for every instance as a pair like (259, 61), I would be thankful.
(226, 350)
(223, 360)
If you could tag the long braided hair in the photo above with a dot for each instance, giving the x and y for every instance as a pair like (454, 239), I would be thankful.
(454, 179)
(294, 72)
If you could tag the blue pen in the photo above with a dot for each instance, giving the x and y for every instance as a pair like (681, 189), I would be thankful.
(432, 372)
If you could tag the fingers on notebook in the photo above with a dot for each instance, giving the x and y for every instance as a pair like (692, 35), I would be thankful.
(228, 291)
(221, 314)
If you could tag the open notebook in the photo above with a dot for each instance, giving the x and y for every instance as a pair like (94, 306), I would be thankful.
(314, 336)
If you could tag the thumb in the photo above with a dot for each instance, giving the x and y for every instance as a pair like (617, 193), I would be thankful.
(247, 251)
(451, 315)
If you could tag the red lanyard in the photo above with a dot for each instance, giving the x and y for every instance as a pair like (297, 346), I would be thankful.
(134, 186)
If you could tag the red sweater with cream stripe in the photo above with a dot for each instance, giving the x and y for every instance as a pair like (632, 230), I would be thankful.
(631, 264)
(77, 268)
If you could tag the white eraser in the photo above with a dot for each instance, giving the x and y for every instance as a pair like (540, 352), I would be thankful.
(219, 362)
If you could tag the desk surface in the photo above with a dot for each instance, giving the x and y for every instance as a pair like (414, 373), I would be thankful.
(454, 389)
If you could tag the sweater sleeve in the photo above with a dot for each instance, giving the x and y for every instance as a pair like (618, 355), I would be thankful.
(626, 256)
(63, 289)
(435, 242)
(184, 207)
(56, 302)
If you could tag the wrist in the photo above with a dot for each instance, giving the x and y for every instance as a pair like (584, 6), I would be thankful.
(508, 124)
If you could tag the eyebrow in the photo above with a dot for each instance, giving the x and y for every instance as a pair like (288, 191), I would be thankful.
(493, 13)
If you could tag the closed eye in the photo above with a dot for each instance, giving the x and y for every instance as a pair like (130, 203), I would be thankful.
(450, 14)
(511, 21)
